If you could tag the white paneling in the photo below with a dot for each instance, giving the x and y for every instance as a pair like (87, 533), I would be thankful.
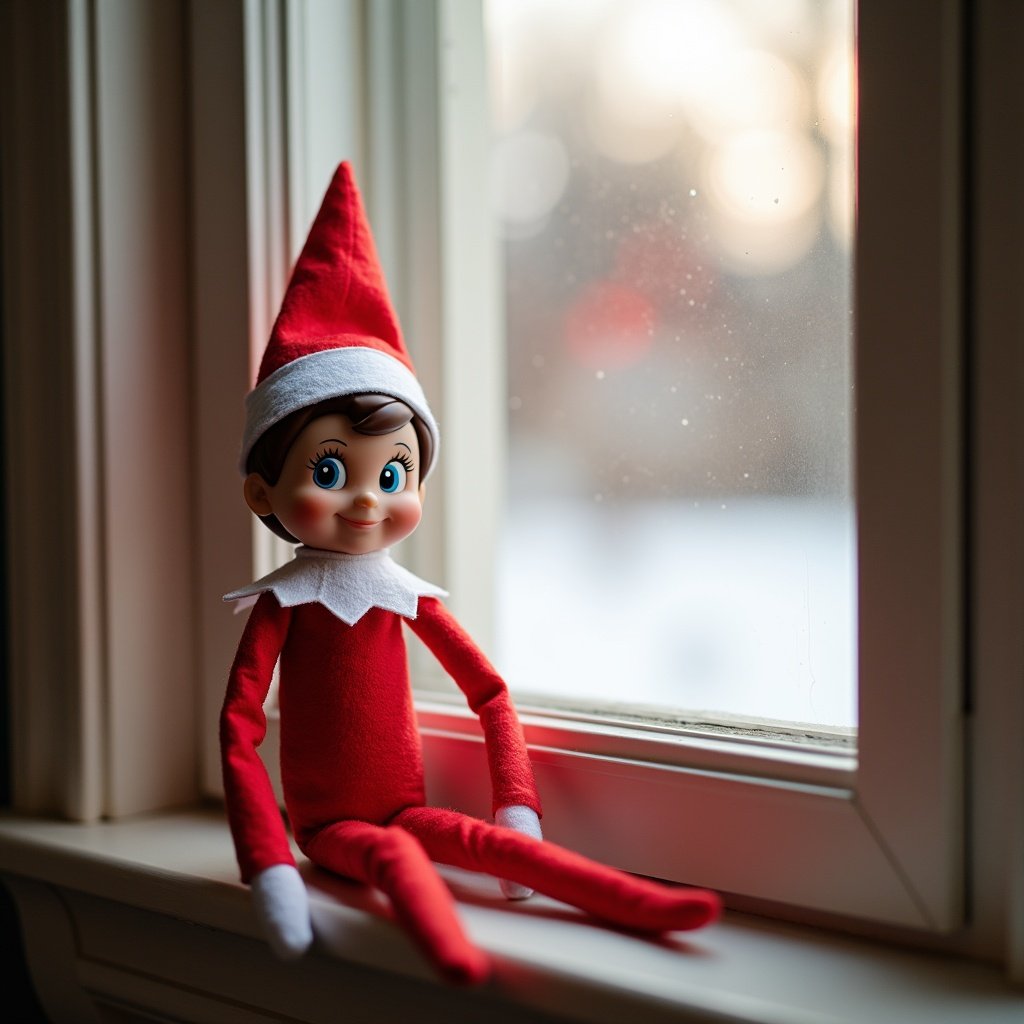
(220, 285)
(141, 175)
(96, 354)
(53, 547)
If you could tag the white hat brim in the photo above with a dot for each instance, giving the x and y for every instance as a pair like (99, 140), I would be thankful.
(332, 373)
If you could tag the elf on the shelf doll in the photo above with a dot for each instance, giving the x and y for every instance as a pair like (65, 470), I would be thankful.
(338, 442)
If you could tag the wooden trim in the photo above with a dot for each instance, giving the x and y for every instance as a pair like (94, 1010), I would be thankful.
(96, 365)
(48, 935)
(476, 397)
(162, 927)
(909, 445)
(221, 372)
(143, 294)
(997, 478)
(49, 397)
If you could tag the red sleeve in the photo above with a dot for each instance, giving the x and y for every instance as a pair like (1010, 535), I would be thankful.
(257, 826)
(512, 779)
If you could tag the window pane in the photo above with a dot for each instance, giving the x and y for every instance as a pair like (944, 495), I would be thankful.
(674, 183)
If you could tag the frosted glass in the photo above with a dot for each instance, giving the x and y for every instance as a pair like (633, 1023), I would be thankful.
(674, 184)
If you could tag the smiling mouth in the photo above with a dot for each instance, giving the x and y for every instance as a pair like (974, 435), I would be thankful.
(362, 524)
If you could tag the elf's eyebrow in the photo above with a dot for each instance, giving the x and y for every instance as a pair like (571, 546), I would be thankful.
(402, 444)
(336, 440)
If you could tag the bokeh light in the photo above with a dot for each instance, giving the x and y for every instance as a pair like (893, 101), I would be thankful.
(660, 53)
(750, 89)
(767, 187)
(531, 171)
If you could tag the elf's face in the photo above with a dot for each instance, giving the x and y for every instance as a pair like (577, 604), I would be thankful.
(344, 491)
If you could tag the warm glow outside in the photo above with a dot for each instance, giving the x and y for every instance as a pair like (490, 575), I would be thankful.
(674, 183)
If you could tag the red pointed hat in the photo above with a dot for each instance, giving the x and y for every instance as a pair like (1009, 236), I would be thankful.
(337, 333)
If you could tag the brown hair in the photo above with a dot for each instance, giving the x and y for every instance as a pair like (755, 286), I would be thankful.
(369, 414)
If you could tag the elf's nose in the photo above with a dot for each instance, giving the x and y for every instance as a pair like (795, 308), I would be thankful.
(365, 500)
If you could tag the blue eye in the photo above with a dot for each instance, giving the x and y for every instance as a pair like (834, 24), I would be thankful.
(392, 478)
(329, 473)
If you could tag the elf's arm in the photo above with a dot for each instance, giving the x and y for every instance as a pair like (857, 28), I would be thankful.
(261, 842)
(515, 801)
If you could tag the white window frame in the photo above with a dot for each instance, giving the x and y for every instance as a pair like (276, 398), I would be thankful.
(812, 834)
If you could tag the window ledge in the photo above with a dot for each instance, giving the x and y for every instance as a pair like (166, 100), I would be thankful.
(171, 878)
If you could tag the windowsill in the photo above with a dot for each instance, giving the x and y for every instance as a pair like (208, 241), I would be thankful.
(548, 960)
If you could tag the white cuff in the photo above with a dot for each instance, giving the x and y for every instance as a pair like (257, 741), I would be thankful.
(524, 820)
(282, 906)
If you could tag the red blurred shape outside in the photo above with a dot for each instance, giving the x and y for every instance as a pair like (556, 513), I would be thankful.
(609, 326)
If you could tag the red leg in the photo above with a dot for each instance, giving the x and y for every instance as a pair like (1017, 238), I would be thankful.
(394, 862)
(615, 896)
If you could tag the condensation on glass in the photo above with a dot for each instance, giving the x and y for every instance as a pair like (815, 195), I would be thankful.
(674, 184)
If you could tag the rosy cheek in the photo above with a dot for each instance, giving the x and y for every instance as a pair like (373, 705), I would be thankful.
(407, 512)
(310, 509)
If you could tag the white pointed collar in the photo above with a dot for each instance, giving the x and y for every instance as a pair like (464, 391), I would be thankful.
(348, 586)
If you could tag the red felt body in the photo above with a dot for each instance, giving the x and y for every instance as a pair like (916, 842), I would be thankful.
(352, 772)
(397, 860)
(349, 744)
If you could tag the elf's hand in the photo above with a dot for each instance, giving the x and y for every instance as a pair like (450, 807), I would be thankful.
(522, 819)
(282, 906)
